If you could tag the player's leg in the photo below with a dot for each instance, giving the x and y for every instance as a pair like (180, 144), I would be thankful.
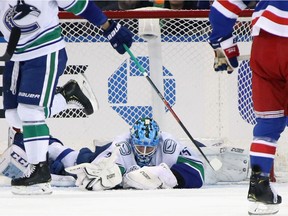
(77, 92)
(37, 80)
(70, 93)
(269, 95)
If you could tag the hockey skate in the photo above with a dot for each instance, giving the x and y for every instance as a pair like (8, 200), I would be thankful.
(265, 199)
(35, 181)
(74, 94)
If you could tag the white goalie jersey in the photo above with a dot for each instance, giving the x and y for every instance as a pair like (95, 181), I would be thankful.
(168, 151)
(235, 161)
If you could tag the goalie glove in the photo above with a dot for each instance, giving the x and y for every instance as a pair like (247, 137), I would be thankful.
(92, 177)
(118, 36)
(226, 53)
(102, 174)
(149, 178)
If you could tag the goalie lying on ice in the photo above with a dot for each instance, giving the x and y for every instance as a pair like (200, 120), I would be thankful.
(144, 158)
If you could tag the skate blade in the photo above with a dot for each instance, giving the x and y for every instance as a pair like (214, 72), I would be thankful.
(259, 208)
(87, 89)
(37, 189)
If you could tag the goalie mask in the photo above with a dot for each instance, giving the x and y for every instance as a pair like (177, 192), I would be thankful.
(145, 139)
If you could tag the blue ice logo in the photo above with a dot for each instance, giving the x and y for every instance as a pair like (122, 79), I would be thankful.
(118, 90)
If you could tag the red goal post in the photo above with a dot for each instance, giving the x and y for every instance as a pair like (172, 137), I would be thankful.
(215, 107)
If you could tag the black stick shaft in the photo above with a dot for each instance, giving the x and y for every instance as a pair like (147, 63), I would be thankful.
(12, 43)
(166, 103)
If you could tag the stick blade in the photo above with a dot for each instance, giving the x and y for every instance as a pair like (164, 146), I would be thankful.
(216, 164)
(12, 43)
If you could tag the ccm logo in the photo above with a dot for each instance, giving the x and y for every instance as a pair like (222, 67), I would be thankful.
(19, 159)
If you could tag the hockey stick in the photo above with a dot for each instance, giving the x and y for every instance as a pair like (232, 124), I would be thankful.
(214, 163)
(12, 43)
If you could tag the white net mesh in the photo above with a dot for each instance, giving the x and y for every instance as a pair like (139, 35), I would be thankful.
(214, 107)
(201, 97)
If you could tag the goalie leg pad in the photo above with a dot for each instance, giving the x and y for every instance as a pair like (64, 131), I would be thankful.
(13, 162)
(62, 181)
(235, 164)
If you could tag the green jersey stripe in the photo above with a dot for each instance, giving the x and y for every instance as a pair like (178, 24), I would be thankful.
(49, 37)
(78, 7)
(197, 165)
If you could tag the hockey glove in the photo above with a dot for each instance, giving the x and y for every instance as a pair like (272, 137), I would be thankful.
(149, 178)
(118, 36)
(93, 177)
(101, 174)
(226, 53)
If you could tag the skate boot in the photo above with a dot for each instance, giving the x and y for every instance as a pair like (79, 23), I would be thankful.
(35, 181)
(265, 199)
(74, 95)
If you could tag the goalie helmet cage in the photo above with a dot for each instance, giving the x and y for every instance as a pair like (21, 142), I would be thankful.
(215, 107)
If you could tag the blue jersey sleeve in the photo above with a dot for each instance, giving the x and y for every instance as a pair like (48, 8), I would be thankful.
(189, 173)
(86, 9)
(94, 14)
(222, 27)
(222, 17)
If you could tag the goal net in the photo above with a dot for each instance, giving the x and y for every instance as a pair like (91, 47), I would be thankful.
(214, 107)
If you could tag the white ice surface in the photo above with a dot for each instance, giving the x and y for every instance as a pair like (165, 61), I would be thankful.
(212, 200)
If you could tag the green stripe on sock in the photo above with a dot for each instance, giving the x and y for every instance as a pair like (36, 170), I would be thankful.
(34, 131)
